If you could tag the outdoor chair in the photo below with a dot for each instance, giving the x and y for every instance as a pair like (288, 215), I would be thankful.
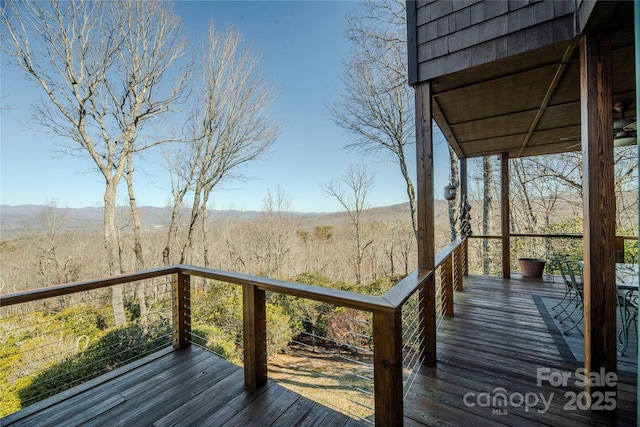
(568, 290)
(627, 303)
(576, 286)
(570, 294)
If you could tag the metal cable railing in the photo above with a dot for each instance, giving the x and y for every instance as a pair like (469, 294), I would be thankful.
(412, 340)
(363, 350)
(450, 265)
(60, 342)
(212, 325)
(485, 252)
(329, 357)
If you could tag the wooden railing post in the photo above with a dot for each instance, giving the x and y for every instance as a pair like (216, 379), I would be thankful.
(255, 336)
(427, 319)
(504, 215)
(387, 367)
(457, 270)
(620, 249)
(447, 278)
(181, 309)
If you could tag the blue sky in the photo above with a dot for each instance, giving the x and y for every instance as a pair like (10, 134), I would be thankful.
(302, 48)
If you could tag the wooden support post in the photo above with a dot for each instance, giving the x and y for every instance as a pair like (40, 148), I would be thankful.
(447, 278)
(599, 276)
(504, 215)
(457, 269)
(255, 336)
(387, 368)
(426, 226)
(620, 249)
(181, 312)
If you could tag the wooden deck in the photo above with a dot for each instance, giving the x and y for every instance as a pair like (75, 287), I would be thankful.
(498, 338)
(190, 387)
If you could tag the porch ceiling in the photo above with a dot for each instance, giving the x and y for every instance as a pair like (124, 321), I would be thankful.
(528, 104)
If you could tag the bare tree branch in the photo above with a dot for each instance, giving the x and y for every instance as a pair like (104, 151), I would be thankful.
(231, 124)
(375, 105)
(103, 67)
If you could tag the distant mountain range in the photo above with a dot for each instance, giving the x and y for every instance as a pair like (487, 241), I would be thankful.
(14, 219)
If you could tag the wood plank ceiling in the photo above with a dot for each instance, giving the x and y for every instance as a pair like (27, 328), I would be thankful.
(528, 104)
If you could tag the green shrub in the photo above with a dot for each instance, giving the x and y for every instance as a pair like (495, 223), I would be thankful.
(217, 340)
(115, 348)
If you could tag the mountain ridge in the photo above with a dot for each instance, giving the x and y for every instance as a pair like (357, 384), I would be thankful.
(17, 218)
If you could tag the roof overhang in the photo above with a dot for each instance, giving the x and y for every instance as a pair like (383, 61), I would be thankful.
(529, 104)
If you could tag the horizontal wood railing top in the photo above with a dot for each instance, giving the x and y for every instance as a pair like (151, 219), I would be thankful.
(445, 252)
(85, 285)
(318, 293)
(403, 290)
(551, 236)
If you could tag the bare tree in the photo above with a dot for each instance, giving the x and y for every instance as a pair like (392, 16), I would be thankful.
(358, 182)
(103, 67)
(564, 172)
(137, 237)
(376, 104)
(533, 199)
(454, 205)
(57, 247)
(273, 233)
(626, 186)
(231, 126)
(487, 215)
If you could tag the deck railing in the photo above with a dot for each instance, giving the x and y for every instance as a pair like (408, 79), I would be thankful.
(544, 246)
(396, 320)
(52, 342)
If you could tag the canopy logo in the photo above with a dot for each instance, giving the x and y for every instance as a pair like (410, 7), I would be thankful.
(499, 400)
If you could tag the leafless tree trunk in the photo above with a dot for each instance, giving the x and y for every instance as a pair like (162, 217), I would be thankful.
(520, 173)
(454, 205)
(376, 104)
(137, 238)
(101, 65)
(626, 185)
(359, 183)
(231, 126)
(487, 214)
(181, 178)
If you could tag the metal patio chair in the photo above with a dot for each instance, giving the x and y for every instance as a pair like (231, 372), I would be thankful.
(576, 286)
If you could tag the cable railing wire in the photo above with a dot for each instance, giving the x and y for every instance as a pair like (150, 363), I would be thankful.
(412, 341)
(104, 369)
(76, 328)
(346, 359)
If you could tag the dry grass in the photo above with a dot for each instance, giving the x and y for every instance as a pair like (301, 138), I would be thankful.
(338, 379)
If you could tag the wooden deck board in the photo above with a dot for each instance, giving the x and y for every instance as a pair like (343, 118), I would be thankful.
(497, 338)
(183, 388)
